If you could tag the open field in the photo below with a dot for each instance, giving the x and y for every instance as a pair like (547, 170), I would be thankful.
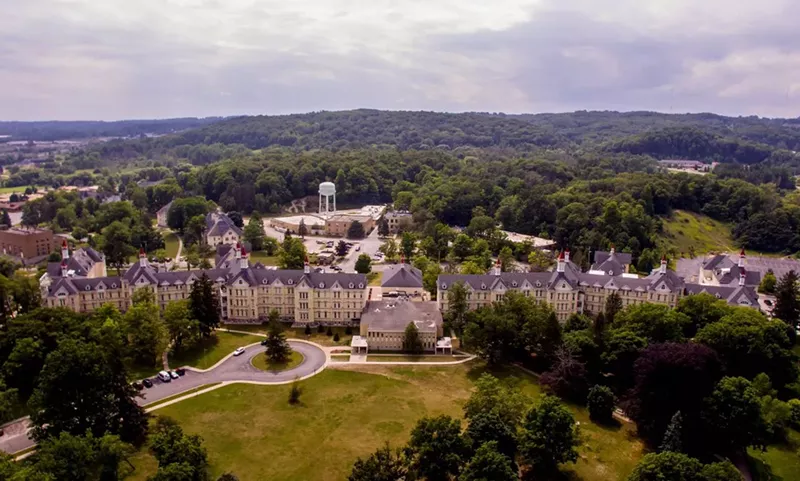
(171, 244)
(19, 190)
(210, 351)
(260, 362)
(262, 257)
(184, 393)
(686, 231)
(779, 462)
(347, 414)
(322, 338)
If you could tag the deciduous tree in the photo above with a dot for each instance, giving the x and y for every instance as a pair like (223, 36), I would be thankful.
(549, 437)
(437, 449)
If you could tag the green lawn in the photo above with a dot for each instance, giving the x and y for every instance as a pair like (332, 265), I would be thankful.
(373, 358)
(184, 393)
(253, 432)
(375, 278)
(136, 373)
(19, 190)
(687, 230)
(322, 338)
(262, 257)
(254, 328)
(778, 462)
(260, 362)
(171, 244)
(340, 357)
(210, 351)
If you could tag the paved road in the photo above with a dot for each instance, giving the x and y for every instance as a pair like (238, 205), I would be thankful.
(232, 369)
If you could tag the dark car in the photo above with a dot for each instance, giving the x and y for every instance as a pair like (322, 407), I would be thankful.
(263, 342)
(137, 385)
(147, 383)
(181, 371)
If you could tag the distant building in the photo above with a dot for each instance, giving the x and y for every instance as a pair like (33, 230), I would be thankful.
(220, 229)
(30, 244)
(338, 225)
(611, 262)
(686, 164)
(398, 221)
(403, 280)
(722, 270)
(383, 324)
(161, 215)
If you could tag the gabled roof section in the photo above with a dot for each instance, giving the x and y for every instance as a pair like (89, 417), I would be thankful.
(601, 256)
(402, 275)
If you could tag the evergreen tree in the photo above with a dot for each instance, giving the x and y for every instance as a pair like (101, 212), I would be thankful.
(787, 305)
(364, 264)
(411, 340)
(341, 248)
(204, 305)
(600, 401)
(768, 283)
(278, 350)
(673, 436)
(6, 219)
(383, 227)
(302, 229)
(356, 230)
(254, 233)
(295, 392)
(599, 327)
(613, 306)
(457, 307)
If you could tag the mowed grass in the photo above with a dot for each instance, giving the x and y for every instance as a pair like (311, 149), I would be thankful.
(20, 189)
(262, 257)
(375, 278)
(322, 338)
(253, 432)
(209, 351)
(687, 230)
(171, 244)
(778, 462)
(443, 358)
(261, 362)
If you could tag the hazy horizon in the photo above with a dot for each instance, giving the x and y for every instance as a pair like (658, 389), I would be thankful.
(156, 59)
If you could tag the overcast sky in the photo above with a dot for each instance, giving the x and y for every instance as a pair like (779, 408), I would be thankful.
(117, 59)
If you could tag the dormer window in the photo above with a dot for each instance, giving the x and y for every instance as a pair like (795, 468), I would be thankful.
(264, 281)
(538, 284)
(444, 286)
(322, 285)
(114, 285)
(88, 288)
(352, 285)
(483, 286)
(360, 285)
(513, 283)
(610, 272)
(290, 282)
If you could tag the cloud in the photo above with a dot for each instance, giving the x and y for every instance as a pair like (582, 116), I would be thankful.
(84, 59)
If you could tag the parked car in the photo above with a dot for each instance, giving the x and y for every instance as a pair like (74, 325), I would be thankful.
(164, 376)
(138, 386)
(358, 248)
(181, 371)
(147, 383)
(239, 351)
(263, 342)
(173, 374)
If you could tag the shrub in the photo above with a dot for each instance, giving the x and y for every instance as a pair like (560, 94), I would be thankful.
(600, 402)
(320, 328)
(348, 330)
(794, 405)
(295, 392)
(336, 337)
(307, 332)
(329, 332)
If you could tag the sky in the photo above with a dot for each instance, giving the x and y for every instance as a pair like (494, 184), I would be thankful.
(122, 59)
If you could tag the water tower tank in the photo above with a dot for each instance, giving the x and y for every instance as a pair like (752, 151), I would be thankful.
(327, 188)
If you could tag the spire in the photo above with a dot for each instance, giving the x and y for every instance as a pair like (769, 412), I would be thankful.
(561, 263)
(64, 268)
(237, 251)
(497, 267)
(611, 251)
(742, 255)
(64, 250)
(566, 255)
(142, 257)
(742, 276)
(243, 260)
(663, 269)
(306, 266)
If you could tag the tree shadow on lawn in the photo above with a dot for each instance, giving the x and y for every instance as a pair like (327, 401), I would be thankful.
(185, 355)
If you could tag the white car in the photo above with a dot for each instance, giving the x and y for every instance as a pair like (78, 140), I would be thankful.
(238, 352)
(164, 376)
(173, 374)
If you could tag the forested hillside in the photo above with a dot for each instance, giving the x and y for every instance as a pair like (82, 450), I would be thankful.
(53, 130)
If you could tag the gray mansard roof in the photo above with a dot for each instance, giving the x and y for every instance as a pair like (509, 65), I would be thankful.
(739, 295)
(394, 315)
(601, 256)
(219, 224)
(611, 263)
(80, 262)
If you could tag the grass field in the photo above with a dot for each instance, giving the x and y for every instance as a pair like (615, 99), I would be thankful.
(375, 278)
(171, 244)
(347, 414)
(210, 351)
(778, 463)
(19, 190)
(262, 257)
(136, 373)
(184, 393)
(686, 231)
(260, 362)
(322, 338)
(340, 357)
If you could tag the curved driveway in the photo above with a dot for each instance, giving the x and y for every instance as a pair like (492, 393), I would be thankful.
(238, 368)
(231, 369)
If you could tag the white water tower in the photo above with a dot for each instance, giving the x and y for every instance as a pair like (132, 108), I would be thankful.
(326, 191)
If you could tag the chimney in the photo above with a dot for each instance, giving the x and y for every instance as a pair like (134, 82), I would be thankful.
(742, 275)
(741, 258)
(497, 268)
(64, 250)
(63, 268)
(663, 269)
(237, 251)
(306, 267)
(243, 260)
(142, 257)
(566, 255)
(561, 263)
